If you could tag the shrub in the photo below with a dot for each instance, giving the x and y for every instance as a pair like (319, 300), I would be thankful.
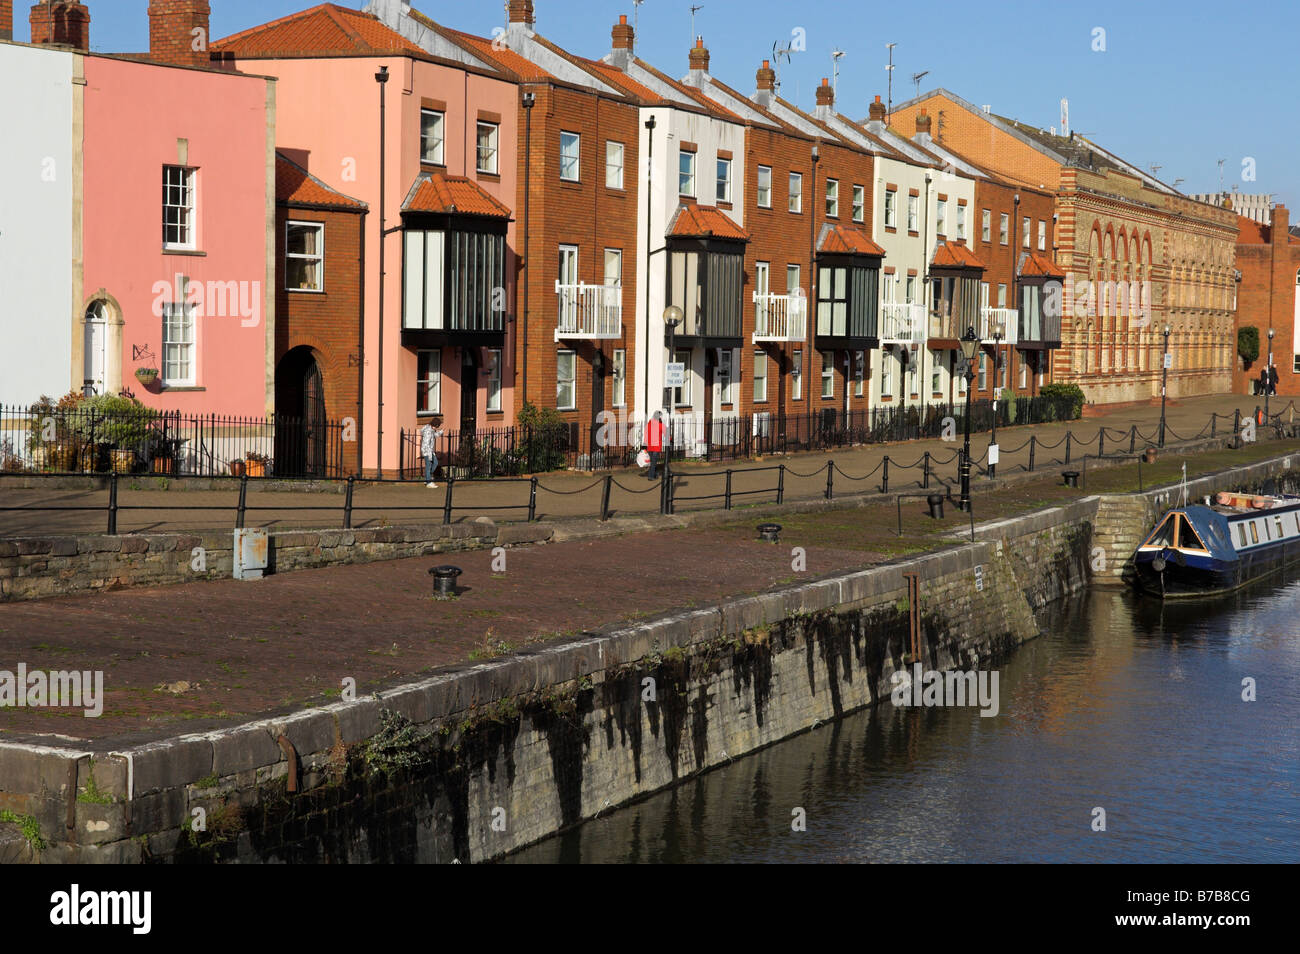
(544, 437)
(1248, 343)
(1071, 392)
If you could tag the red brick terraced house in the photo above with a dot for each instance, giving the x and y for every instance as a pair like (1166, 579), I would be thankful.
(320, 238)
(1268, 299)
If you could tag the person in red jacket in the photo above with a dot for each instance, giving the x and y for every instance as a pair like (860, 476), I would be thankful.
(654, 442)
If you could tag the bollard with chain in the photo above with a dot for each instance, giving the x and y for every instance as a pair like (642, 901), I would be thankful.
(243, 502)
(112, 504)
(1132, 438)
(780, 484)
(830, 480)
(727, 503)
(1033, 443)
(925, 472)
(1068, 436)
(604, 497)
(347, 504)
(884, 477)
(532, 499)
(1101, 442)
(446, 504)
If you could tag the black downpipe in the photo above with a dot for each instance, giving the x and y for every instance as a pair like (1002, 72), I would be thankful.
(382, 79)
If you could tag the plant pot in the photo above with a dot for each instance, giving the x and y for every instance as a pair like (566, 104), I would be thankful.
(146, 377)
(63, 457)
(123, 461)
(236, 468)
(164, 465)
(255, 468)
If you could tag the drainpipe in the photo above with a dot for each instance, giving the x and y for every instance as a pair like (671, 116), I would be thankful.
(529, 99)
(649, 208)
(812, 273)
(923, 351)
(1015, 283)
(361, 341)
(382, 79)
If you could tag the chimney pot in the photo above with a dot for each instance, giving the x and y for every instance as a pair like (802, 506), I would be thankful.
(922, 123)
(521, 11)
(825, 93)
(622, 33)
(876, 112)
(699, 57)
(766, 78)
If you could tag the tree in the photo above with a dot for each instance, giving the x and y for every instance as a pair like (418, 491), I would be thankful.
(1248, 344)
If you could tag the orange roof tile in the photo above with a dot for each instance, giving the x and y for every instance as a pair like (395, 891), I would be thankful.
(324, 30)
(293, 183)
(451, 195)
(1036, 265)
(1251, 232)
(499, 54)
(704, 221)
(951, 255)
(841, 240)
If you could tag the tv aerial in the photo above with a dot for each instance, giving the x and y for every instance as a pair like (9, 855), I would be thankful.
(916, 79)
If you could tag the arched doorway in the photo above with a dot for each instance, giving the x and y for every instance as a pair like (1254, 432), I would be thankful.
(301, 426)
(95, 352)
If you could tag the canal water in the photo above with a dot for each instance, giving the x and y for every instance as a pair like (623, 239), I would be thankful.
(1123, 704)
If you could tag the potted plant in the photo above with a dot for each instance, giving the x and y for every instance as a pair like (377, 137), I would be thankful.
(146, 376)
(256, 464)
(236, 468)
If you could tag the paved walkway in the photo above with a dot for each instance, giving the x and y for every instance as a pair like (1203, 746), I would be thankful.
(858, 469)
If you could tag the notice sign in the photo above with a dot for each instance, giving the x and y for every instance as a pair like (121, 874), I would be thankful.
(1169, 360)
(674, 374)
(993, 455)
(979, 578)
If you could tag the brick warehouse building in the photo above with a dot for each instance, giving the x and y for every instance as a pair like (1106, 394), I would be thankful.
(1268, 296)
(320, 240)
(577, 168)
(1140, 256)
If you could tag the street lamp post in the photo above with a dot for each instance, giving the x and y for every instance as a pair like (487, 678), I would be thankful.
(1164, 384)
(672, 318)
(969, 346)
(1268, 371)
(993, 439)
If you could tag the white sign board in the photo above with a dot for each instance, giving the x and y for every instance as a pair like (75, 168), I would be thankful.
(979, 578)
(674, 374)
(1169, 360)
(993, 455)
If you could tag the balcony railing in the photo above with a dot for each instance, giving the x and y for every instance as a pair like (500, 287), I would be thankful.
(901, 323)
(780, 317)
(1002, 321)
(589, 311)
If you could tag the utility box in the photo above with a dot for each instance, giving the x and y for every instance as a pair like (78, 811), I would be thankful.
(252, 552)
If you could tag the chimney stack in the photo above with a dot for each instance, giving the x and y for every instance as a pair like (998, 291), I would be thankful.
(699, 56)
(922, 123)
(622, 34)
(6, 19)
(521, 11)
(876, 112)
(825, 94)
(178, 31)
(62, 22)
(766, 77)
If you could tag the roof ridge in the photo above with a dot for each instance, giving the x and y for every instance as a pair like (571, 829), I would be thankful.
(332, 11)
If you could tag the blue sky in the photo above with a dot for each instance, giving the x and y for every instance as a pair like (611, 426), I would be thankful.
(1180, 85)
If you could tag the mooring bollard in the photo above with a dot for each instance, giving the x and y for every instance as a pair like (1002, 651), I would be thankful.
(769, 532)
(1071, 478)
(936, 505)
(444, 581)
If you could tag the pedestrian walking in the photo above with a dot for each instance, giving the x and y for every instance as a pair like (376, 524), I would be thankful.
(429, 435)
(1272, 379)
(1262, 383)
(654, 442)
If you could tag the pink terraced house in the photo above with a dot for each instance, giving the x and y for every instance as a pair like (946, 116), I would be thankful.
(439, 274)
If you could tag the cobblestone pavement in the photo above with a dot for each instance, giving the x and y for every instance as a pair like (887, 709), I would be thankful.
(567, 494)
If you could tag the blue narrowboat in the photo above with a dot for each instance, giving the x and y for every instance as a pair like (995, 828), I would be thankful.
(1205, 550)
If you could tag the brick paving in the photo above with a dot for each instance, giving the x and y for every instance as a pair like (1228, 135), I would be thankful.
(568, 495)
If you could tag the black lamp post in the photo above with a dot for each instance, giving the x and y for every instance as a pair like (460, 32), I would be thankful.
(969, 347)
(672, 318)
(1268, 372)
(993, 439)
(1164, 384)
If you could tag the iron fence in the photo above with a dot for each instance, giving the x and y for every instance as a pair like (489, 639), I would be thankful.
(104, 437)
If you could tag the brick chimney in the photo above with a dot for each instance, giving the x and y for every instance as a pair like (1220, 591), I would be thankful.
(178, 31)
(699, 57)
(622, 33)
(766, 79)
(63, 22)
(825, 101)
(1279, 222)
(521, 11)
(922, 123)
(6, 19)
(876, 112)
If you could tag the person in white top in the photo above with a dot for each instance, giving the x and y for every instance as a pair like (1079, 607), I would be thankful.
(429, 435)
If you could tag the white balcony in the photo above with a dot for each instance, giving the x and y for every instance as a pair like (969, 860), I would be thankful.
(589, 311)
(901, 323)
(780, 317)
(1004, 322)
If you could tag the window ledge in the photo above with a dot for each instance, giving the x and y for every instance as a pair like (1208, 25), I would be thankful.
(891, 230)
(489, 176)
(306, 291)
(182, 387)
(167, 250)
(432, 164)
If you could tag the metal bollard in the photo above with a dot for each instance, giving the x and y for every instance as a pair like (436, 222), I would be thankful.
(1033, 444)
(727, 494)
(112, 504)
(446, 504)
(604, 497)
(243, 502)
(884, 475)
(925, 472)
(347, 504)
(1068, 437)
(1101, 442)
(780, 485)
(1132, 438)
(830, 480)
(532, 499)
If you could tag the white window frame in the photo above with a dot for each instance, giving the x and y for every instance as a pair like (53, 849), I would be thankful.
(1004, 228)
(760, 377)
(940, 216)
(490, 152)
(570, 156)
(982, 372)
(614, 152)
(565, 357)
(182, 317)
(1042, 235)
(912, 203)
(764, 193)
(724, 180)
(682, 395)
(318, 257)
(686, 176)
(494, 380)
(794, 201)
(620, 377)
(832, 198)
(1025, 233)
(936, 373)
(432, 382)
(886, 375)
(613, 277)
(1024, 373)
(796, 376)
(909, 290)
(891, 208)
(986, 225)
(828, 374)
(179, 195)
(440, 125)
(961, 221)
(859, 372)
(859, 203)
(726, 377)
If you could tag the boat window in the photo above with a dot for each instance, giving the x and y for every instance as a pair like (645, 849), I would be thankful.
(1268, 534)
(1164, 534)
(1188, 538)
(1254, 532)
(1278, 521)
(1241, 534)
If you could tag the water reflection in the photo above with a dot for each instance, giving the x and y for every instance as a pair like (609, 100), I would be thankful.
(1126, 704)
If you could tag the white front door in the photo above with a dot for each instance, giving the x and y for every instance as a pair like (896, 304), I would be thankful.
(96, 352)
